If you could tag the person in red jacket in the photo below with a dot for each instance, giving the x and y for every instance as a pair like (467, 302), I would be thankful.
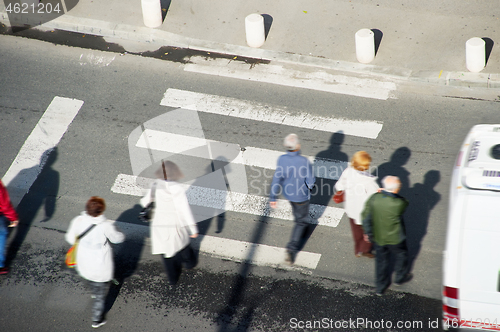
(8, 218)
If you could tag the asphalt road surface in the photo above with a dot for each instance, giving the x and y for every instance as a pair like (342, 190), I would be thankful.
(417, 133)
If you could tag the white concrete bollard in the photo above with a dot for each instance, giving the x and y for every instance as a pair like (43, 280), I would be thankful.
(151, 13)
(365, 45)
(475, 54)
(254, 28)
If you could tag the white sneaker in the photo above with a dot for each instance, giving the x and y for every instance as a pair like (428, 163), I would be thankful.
(98, 324)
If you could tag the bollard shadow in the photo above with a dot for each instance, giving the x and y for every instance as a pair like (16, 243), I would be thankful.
(165, 5)
(488, 47)
(377, 35)
(399, 158)
(126, 256)
(268, 21)
(42, 193)
(423, 198)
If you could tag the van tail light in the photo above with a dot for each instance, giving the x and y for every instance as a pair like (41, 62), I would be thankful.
(450, 304)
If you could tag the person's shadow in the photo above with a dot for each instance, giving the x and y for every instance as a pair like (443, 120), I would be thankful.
(395, 167)
(126, 256)
(423, 198)
(217, 214)
(43, 192)
(327, 176)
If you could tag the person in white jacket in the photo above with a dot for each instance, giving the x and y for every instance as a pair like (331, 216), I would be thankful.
(358, 185)
(94, 256)
(173, 223)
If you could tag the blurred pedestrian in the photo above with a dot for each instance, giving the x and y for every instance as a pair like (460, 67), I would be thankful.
(294, 178)
(94, 256)
(384, 226)
(358, 185)
(8, 218)
(173, 223)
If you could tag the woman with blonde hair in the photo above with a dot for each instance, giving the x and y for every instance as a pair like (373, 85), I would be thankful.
(358, 185)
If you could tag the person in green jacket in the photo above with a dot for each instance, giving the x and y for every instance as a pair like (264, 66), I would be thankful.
(383, 225)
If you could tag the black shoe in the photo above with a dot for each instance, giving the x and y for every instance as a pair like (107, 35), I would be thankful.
(289, 258)
(4, 270)
(405, 279)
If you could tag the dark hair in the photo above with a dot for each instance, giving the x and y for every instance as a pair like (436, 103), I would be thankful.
(169, 171)
(95, 206)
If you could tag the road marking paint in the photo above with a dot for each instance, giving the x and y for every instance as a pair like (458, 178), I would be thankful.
(257, 254)
(259, 112)
(45, 136)
(313, 80)
(96, 60)
(251, 156)
(232, 201)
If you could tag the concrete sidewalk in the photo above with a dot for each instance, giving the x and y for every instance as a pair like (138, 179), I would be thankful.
(422, 41)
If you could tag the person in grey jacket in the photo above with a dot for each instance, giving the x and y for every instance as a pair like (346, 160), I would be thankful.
(94, 257)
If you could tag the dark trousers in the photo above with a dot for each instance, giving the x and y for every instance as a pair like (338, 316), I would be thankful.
(99, 291)
(4, 232)
(360, 245)
(383, 261)
(300, 214)
(173, 265)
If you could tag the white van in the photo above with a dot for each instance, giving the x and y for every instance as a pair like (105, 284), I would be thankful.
(471, 265)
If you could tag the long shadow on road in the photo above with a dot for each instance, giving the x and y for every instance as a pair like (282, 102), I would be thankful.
(226, 315)
(42, 193)
(127, 256)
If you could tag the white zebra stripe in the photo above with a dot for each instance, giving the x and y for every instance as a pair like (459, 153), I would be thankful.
(259, 112)
(250, 156)
(232, 201)
(257, 254)
(45, 136)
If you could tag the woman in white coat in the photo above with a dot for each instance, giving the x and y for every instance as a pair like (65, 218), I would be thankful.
(358, 185)
(94, 256)
(173, 223)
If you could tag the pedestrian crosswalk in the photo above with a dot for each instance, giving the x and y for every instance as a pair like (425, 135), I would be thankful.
(179, 132)
(156, 139)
